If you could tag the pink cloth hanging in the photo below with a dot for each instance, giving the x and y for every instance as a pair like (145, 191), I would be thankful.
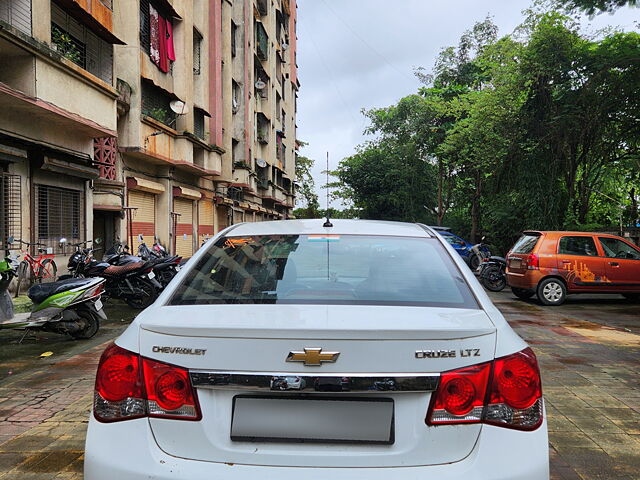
(154, 35)
(162, 34)
(171, 53)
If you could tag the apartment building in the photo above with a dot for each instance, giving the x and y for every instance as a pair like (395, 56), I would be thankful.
(135, 119)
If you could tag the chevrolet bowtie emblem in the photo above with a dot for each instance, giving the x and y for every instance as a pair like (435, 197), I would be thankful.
(313, 357)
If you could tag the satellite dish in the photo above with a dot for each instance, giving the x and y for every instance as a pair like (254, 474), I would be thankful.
(261, 162)
(260, 85)
(178, 107)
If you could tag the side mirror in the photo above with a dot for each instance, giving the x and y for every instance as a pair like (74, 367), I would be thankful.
(98, 241)
(140, 238)
(483, 238)
(10, 239)
(63, 241)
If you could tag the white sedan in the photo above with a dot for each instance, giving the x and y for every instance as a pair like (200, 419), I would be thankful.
(407, 370)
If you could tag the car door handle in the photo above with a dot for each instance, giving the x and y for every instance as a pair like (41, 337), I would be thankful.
(566, 261)
(614, 264)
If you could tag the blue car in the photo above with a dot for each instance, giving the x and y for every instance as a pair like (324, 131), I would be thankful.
(462, 247)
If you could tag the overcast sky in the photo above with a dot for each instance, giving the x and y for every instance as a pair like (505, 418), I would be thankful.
(356, 54)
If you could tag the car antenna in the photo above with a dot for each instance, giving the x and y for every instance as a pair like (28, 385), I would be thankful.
(328, 223)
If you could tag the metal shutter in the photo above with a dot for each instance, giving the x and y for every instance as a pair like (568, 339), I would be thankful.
(143, 218)
(205, 220)
(223, 220)
(184, 229)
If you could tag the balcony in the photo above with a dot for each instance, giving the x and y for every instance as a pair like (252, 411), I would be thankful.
(17, 13)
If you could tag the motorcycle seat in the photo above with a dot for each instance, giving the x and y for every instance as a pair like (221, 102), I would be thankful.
(498, 259)
(122, 269)
(40, 292)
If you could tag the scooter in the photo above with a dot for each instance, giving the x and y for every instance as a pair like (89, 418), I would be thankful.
(70, 307)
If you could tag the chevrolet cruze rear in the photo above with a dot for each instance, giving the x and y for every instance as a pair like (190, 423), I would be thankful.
(286, 348)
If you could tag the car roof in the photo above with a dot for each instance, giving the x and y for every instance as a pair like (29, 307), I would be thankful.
(340, 227)
(562, 232)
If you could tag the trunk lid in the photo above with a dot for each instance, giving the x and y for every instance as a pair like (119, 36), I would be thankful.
(389, 347)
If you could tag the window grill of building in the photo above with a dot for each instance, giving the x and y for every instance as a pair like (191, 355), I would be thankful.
(59, 213)
(198, 123)
(104, 155)
(145, 26)
(79, 44)
(155, 104)
(17, 13)
(263, 127)
(263, 7)
(234, 34)
(262, 42)
(197, 52)
(11, 212)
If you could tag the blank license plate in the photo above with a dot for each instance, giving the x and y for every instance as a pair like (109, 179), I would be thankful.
(312, 420)
(515, 263)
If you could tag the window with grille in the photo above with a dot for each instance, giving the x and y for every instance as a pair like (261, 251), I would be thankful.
(17, 13)
(198, 123)
(146, 27)
(197, 51)
(234, 35)
(155, 104)
(262, 42)
(11, 212)
(77, 43)
(59, 214)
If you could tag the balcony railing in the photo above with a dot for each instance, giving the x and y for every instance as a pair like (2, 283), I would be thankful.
(17, 13)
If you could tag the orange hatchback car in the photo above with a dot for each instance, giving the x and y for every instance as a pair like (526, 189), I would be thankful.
(555, 264)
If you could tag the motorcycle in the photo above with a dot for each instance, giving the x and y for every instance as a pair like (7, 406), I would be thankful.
(492, 273)
(165, 267)
(72, 306)
(133, 282)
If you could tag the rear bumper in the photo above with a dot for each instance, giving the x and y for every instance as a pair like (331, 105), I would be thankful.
(128, 451)
(522, 280)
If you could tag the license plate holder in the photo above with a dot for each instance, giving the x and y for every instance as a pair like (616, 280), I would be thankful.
(98, 304)
(328, 420)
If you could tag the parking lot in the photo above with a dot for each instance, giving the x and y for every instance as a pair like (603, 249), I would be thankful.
(589, 350)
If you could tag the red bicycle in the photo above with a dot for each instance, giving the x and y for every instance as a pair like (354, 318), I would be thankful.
(40, 268)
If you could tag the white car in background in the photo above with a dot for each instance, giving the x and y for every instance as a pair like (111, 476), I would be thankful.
(407, 370)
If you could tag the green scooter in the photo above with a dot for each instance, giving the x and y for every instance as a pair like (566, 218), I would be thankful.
(70, 307)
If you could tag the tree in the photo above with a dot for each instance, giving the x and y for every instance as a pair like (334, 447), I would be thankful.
(306, 189)
(537, 130)
(592, 7)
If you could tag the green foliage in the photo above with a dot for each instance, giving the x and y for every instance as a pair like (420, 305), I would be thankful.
(538, 130)
(306, 189)
(65, 45)
(595, 6)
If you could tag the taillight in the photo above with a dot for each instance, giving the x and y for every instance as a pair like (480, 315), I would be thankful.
(460, 396)
(169, 391)
(533, 262)
(119, 391)
(515, 396)
(128, 386)
(506, 392)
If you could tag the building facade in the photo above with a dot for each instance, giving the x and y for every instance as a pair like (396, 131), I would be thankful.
(136, 120)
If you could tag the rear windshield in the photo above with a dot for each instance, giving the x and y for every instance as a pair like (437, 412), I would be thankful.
(325, 269)
(526, 244)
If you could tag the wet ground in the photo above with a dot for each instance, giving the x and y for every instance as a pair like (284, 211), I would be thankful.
(18, 357)
(588, 349)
